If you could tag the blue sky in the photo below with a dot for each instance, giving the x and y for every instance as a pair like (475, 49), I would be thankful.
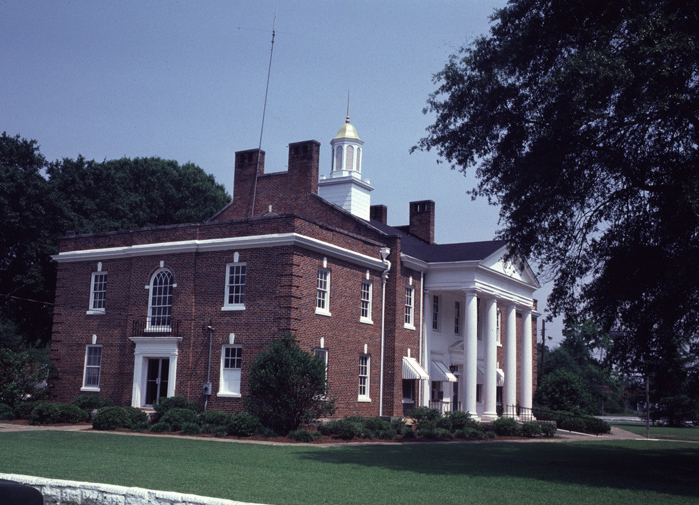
(186, 81)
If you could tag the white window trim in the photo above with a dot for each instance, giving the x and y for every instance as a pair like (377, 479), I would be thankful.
(409, 325)
(91, 311)
(436, 326)
(323, 311)
(362, 319)
(228, 394)
(365, 398)
(233, 306)
(99, 375)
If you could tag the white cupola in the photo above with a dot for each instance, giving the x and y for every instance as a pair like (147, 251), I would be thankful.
(345, 186)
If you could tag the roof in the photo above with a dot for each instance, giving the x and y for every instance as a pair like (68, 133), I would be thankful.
(439, 253)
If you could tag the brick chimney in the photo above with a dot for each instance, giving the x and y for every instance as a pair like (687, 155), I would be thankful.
(422, 220)
(379, 213)
(303, 166)
(245, 163)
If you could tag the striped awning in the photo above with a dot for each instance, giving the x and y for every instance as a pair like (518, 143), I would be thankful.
(440, 372)
(500, 376)
(413, 371)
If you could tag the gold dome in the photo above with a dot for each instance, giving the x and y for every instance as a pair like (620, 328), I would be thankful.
(347, 131)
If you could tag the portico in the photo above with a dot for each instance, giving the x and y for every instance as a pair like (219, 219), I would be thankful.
(478, 320)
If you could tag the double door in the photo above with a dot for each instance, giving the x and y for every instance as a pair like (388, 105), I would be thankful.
(157, 379)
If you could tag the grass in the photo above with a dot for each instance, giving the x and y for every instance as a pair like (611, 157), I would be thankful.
(663, 432)
(526, 473)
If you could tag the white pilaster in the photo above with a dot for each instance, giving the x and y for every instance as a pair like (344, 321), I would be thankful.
(426, 305)
(470, 372)
(490, 380)
(526, 367)
(510, 391)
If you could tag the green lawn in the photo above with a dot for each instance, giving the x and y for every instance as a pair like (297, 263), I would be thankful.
(598, 473)
(662, 432)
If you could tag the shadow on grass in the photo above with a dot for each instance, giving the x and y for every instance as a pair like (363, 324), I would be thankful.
(663, 468)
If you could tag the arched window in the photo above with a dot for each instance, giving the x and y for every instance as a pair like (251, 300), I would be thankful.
(350, 158)
(160, 303)
(338, 158)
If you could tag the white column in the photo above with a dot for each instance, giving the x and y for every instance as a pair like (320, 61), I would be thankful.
(510, 392)
(470, 372)
(427, 301)
(526, 366)
(490, 381)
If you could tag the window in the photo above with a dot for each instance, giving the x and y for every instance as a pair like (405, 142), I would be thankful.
(364, 361)
(323, 354)
(409, 296)
(498, 336)
(98, 293)
(160, 309)
(408, 391)
(367, 288)
(323, 292)
(231, 364)
(479, 389)
(437, 391)
(435, 313)
(235, 286)
(457, 318)
(93, 364)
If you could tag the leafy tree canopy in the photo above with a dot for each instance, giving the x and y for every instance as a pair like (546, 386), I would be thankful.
(40, 202)
(580, 119)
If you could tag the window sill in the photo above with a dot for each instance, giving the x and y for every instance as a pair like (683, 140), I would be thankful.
(228, 395)
(322, 312)
(96, 312)
(233, 307)
(408, 326)
(408, 400)
(365, 320)
(90, 389)
(364, 399)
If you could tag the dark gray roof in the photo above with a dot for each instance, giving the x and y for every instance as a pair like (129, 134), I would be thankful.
(437, 253)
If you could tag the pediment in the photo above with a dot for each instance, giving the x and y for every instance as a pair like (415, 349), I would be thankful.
(514, 267)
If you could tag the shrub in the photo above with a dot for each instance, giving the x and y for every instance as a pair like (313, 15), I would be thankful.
(21, 377)
(408, 433)
(572, 424)
(426, 424)
(489, 435)
(530, 430)
(445, 423)
(23, 410)
(474, 433)
(343, 428)
(460, 420)
(140, 426)
(368, 434)
(91, 402)
(52, 413)
(376, 424)
(214, 418)
(389, 434)
(505, 427)
(594, 425)
(443, 434)
(264, 431)
(219, 431)
(422, 413)
(177, 416)
(160, 427)
(111, 418)
(548, 429)
(191, 429)
(428, 434)
(6, 412)
(169, 403)
(676, 410)
(242, 424)
(136, 416)
(303, 435)
(397, 425)
(288, 386)
(460, 433)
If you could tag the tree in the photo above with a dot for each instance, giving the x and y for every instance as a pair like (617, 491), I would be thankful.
(563, 390)
(21, 377)
(288, 386)
(580, 119)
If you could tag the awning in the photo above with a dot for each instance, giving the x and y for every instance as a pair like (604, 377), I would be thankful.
(500, 376)
(440, 372)
(413, 371)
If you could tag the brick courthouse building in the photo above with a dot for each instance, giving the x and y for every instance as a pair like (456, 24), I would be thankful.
(400, 320)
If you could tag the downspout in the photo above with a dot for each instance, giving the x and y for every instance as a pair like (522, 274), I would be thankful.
(207, 385)
(420, 394)
(385, 251)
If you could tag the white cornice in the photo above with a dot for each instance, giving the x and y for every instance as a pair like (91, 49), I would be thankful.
(218, 244)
